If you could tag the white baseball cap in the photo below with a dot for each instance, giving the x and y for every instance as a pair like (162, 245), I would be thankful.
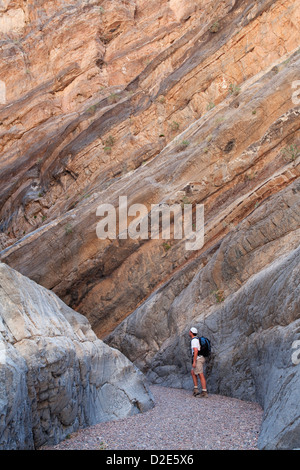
(194, 330)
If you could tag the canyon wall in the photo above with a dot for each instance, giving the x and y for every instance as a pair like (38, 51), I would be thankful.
(252, 319)
(187, 102)
(100, 97)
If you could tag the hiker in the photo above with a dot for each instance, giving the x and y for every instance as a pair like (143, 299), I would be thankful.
(198, 362)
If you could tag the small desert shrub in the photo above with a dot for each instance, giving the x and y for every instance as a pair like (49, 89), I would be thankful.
(291, 152)
(215, 27)
(234, 89)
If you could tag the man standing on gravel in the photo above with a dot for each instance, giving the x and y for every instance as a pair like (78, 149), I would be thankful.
(198, 362)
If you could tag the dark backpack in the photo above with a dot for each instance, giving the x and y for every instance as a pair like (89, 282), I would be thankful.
(205, 346)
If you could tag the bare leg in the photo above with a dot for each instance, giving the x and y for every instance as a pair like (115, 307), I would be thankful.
(203, 385)
(203, 381)
(194, 376)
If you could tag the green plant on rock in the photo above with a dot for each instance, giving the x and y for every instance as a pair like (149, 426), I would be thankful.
(161, 99)
(166, 246)
(68, 228)
(185, 200)
(113, 98)
(250, 176)
(183, 145)
(219, 120)
(92, 109)
(174, 126)
(219, 295)
(109, 143)
(210, 106)
(291, 152)
(215, 27)
(234, 89)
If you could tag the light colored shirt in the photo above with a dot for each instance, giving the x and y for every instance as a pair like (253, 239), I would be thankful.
(195, 344)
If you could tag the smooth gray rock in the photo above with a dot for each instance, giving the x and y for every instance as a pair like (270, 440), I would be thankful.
(253, 330)
(256, 362)
(56, 376)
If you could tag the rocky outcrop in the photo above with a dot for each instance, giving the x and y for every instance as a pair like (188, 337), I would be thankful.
(56, 376)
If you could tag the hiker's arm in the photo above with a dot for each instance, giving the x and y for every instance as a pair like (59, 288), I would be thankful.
(195, 354)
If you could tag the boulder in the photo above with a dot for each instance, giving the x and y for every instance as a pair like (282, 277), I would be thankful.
(56, 375)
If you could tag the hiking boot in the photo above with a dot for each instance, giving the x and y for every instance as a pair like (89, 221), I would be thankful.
(203, 394)
(196, 392)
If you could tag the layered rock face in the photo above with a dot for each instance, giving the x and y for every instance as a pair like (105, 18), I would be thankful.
(186, 102)
(144, 101)
(56, 375)
(244, 296)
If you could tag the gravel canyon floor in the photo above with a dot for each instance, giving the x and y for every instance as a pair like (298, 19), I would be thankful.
(229, 424)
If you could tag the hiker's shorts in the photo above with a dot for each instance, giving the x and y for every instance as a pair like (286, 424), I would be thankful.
(199, 365)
